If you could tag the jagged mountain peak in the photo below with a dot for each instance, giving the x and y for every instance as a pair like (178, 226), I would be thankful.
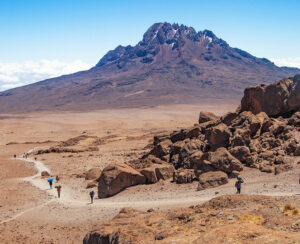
(173, 36)
(171, 64)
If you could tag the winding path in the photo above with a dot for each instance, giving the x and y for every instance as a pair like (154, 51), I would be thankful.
(68, 199)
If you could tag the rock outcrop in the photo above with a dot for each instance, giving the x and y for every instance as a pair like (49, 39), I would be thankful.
(279, 98)
(239, 218)
(116, 177)
(220, 147)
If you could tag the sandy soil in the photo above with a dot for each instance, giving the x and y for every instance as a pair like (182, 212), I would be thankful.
(31, 213)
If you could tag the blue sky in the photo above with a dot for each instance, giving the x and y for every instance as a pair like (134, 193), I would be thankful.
(77, 33)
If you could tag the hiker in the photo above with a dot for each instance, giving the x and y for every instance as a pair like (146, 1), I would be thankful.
(50, 180)
(57, 178)
(35, 158)
(58, 188)
(15, 156)
(92, 194)
(238, 184)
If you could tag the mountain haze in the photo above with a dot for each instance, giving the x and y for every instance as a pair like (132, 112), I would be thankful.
(173, 64)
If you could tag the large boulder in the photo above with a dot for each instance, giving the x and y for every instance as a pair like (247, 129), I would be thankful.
(279, 98)
(222, 160)
(164, 171)
(159, 138)
(228, 118)
(207, 116)
(162, 149)
(242, 153)
(248, 121)
(183, 176)
(117, 177)
(178, 135)
(93, 174)
(193, 132)
(212, 179)
(156, 172)
(104, 237)
(45, 173)
(150, 174)
(218, 136)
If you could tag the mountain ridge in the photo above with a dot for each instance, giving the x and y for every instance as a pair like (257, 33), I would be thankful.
(172, 64)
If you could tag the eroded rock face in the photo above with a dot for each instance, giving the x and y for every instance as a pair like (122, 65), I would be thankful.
(279, 98)
(212, 179)
(116, 177)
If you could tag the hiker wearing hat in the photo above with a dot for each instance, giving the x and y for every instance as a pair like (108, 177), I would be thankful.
(238, 184)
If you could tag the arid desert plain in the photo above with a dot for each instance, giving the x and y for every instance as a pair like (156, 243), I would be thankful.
(30, 212)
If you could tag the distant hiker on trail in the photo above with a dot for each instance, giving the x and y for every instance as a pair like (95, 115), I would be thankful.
(238, 184)
(57, 178)
(58, 188)
(50, 180)
(15, 156)
(35, 158)
(92, 194)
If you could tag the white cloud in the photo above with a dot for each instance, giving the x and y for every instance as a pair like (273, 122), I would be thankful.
(289, 62)
(19, 74)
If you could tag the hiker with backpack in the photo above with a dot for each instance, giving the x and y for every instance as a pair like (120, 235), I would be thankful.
(50, 180)
(58, 188)
(238, 184)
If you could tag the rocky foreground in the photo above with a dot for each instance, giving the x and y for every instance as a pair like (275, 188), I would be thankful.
(235, 218)
(264, 133)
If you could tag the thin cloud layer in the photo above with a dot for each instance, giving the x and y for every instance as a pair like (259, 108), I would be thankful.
(289, 62)
(19, 74)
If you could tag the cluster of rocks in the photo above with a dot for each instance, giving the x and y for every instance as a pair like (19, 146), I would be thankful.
(263, 133)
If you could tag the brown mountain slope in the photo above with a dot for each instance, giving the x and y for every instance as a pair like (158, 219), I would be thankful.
(172, 64)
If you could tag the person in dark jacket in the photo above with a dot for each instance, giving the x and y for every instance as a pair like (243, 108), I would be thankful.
(238, 184)
(92, 194)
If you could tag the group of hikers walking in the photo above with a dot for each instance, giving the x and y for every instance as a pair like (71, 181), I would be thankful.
(58, 188)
